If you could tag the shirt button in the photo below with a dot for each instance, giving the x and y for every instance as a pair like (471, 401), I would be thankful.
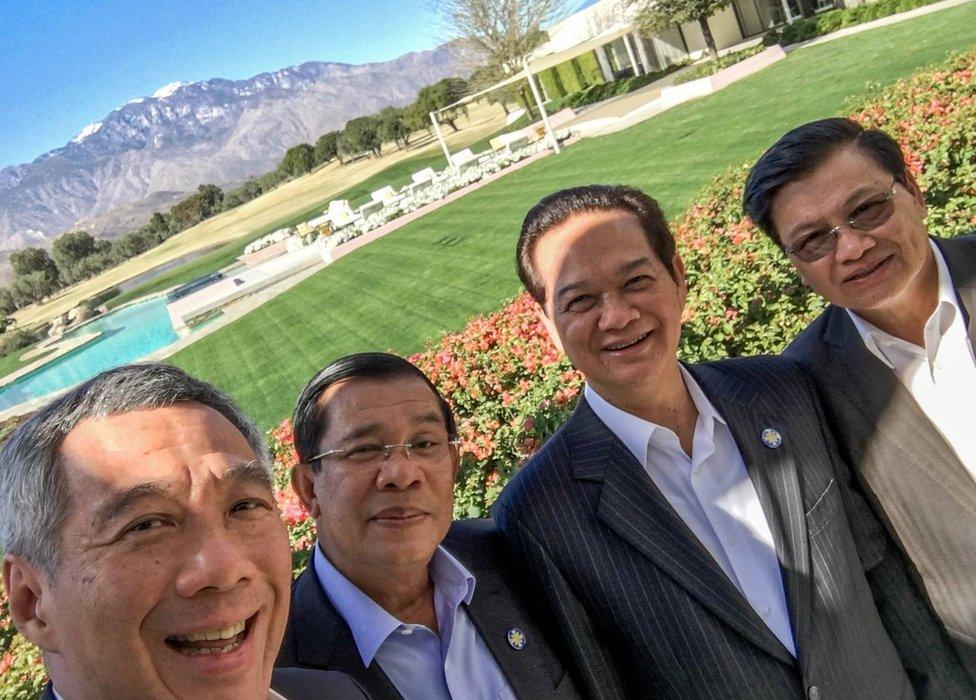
(813, 693)
(406, 630)
(765, 612)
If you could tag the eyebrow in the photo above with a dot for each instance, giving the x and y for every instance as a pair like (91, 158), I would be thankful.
(629, 266)
(370, 429)
(856, 198)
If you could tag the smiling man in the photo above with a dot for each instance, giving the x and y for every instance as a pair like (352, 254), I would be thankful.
(684, 525)
(396, 595)
(892, 356)
(143, 551)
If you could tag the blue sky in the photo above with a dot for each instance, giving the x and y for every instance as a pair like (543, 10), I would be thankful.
(66, 64)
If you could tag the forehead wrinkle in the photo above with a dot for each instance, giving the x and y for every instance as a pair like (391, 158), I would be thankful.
(249, 471)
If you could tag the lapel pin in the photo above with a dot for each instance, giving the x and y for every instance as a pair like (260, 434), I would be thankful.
(771, 438)
(516, 638)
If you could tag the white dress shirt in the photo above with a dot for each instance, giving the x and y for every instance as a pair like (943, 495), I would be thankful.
(422, 665)
(711, 491)
(941, 376)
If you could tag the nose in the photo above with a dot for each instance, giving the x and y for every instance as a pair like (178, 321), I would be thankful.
(616, 312)
(398, 473)
(215, 560)
(852, 244)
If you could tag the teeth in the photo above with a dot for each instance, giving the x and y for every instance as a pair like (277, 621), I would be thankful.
(211, 635)
(621, 346)
(203, 651)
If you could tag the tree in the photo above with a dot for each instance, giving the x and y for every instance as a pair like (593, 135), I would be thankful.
(416, 118)
(33, 286)
(360, 136)
(487, 75)
(327, 147)
(70, 249)
(298, 160)
(392, 127)
(29, 260)
(7, 303)
(197, 207)
(506, 31)
(656, 15)
(438, 96)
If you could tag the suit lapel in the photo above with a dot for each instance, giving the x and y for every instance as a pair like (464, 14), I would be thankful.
(633, 507)
(324, 641)
(774, 475)
(962, 271)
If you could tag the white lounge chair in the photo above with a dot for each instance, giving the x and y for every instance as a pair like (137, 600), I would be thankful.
(386, 195)
(341, 214)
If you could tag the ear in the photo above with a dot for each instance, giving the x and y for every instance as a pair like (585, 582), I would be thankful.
(303, 482)
(540, 312)
(678, 265)
(29, 600)
(911, 185)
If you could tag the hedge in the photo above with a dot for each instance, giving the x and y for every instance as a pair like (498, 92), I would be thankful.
(510, 387)
(831, 21)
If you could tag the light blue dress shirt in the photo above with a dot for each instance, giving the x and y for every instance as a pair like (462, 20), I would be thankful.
(422, 665)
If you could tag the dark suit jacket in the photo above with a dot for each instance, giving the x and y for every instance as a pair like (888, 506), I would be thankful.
(297, 684)
(317, 637)
(915, 483)
(648, 611)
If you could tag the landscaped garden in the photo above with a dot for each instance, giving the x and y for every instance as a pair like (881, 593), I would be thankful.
(509, 386)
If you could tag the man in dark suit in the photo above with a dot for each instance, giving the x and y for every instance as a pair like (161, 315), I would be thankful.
(892, 356)
(143, 552)
(685, 524)
(407, 603)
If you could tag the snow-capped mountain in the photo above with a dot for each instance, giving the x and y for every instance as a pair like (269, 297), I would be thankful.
(153, 150)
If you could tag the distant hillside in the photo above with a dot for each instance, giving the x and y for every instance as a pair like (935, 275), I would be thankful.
(154, 150)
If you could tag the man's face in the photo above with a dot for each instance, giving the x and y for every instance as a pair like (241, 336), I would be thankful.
(611, 304)
(380, 515)
(172, 536)
(870, 271)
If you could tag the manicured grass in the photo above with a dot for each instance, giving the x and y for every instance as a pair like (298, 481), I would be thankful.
(12, 362)
(431, 276)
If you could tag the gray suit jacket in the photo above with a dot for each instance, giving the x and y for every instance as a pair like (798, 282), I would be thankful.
(916, 485)
(647, 610)
(318, 637)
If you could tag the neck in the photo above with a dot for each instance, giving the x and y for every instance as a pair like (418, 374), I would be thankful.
(665, 402)
(407, 593)
(906, 315)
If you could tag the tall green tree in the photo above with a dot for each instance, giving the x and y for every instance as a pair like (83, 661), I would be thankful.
(199, 206)
(437, 98)
(361, 136)
(327, 147)
(298, 160)
(35, 260)
(70, 249)
(655, 15)
(392, 127)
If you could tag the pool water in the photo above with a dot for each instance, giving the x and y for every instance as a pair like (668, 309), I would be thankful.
(127, 335)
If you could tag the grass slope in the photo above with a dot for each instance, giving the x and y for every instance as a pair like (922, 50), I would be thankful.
(431, 276)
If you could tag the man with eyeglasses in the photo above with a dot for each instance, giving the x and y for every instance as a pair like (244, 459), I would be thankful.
(893, 361)
(396, 595)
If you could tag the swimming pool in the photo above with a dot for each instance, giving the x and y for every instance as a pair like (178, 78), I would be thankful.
(127, 335)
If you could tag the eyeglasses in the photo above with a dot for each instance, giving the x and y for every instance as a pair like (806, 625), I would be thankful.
(419, 452)
(867, 217)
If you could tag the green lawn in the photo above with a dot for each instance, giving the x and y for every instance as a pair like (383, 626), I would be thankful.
(431, 276)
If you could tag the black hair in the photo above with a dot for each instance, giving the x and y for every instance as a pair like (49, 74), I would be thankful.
(802, 150)
(310, 417)
(559, 207)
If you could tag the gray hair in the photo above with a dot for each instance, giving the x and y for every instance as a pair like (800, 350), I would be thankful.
(34, 499)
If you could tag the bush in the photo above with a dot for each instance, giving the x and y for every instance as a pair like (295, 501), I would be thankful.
(604, 91)
(831, 21)
(99, 299)
(20, 338)
(712, 67)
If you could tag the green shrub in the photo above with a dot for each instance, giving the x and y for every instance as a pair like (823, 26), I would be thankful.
(603, 91)
(711, 67)
(831, 21)
(102, 297)
(590, 68)
(20, 338)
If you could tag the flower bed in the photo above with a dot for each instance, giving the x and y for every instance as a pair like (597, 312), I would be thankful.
(510, 387)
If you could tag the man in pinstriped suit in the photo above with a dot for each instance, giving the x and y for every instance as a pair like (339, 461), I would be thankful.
(686, 523)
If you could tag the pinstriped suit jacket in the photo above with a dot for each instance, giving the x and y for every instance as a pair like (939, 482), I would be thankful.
(645, 608)
(917, 486)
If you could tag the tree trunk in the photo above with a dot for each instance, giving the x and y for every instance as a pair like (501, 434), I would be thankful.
(709, 39)
(504, 107)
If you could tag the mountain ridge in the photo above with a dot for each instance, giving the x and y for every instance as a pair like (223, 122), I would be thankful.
(157, 149)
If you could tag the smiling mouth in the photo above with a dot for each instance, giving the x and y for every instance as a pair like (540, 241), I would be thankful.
(867, 273)
(628, 344)
(204, 643)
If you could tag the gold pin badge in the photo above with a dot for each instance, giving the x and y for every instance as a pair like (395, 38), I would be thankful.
(771, 438)
(516, 638)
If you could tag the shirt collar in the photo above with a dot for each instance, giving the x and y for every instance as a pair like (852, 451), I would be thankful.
(369, 623)
(636, 433)
(878, 341)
